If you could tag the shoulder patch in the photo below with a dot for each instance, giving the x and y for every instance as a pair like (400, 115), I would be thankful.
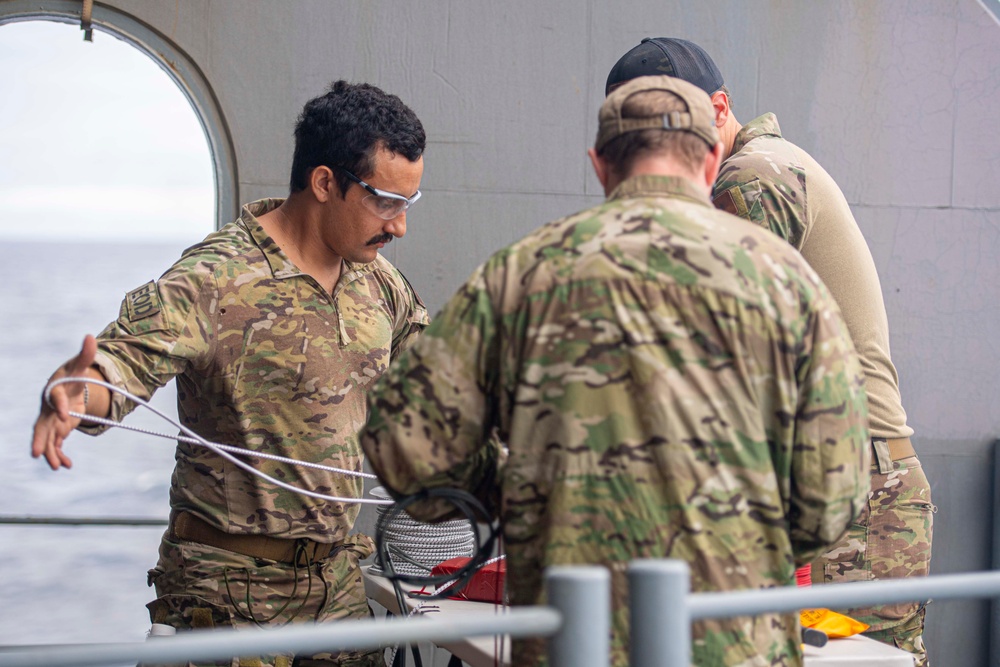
(731, 201)
(143, 302)
(741, 199)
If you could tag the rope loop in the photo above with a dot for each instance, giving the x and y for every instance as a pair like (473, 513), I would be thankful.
(189, 436)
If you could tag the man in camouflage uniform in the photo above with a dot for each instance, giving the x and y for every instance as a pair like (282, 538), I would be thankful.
(275, 327)
(672, 382)
(775, 184)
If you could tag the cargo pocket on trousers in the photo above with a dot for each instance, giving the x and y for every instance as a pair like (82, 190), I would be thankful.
(189, 612)
(347, 600)
(342, 573)
(848, 570)
(901, 524)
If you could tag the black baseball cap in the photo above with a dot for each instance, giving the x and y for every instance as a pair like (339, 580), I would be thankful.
(670, 56)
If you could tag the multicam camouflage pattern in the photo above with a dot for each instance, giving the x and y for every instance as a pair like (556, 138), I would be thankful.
(266, 359)
(671, 382)
(771, 182)
(764, 182)
(201, 587)
(890, 540)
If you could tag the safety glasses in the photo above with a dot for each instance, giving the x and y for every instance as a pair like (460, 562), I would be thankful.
(386, 205)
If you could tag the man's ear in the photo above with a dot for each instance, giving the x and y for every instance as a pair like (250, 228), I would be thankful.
(600, 168)
(720, 102)
(323, 185)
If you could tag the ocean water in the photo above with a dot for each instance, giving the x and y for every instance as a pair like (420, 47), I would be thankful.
(74, 584)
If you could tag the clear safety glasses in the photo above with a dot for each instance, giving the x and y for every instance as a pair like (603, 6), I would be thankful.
(386, 205)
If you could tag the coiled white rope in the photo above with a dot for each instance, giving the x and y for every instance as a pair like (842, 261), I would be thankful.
(222, 450)
(415, 548)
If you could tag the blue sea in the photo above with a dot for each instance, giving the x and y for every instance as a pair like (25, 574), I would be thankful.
(74, 584)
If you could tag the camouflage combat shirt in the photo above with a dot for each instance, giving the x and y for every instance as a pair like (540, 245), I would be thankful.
(265, 359)
(671, 382)
(775, 184)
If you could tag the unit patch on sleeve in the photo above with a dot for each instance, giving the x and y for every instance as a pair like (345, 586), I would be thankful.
(731, 201)
(143, 302)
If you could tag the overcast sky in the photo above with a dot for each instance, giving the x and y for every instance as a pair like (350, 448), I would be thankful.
(96, 142)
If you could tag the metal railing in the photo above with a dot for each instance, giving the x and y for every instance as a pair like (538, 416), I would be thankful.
(577, 620)
(662, 608)
(579, 598)
(131, 522)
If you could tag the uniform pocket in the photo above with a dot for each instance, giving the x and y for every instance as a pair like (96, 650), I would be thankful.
(901, 523)
(190, 612)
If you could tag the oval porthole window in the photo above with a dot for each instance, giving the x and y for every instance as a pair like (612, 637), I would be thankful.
(105, 177)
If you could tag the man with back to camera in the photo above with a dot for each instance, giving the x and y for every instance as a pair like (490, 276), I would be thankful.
(775, 184)
(672, 382)
(275, 328)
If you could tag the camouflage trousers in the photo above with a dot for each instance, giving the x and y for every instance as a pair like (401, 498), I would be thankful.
(203, 587)
(890, 540)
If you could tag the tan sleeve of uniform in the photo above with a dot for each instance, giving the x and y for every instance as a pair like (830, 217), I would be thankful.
(837, 250)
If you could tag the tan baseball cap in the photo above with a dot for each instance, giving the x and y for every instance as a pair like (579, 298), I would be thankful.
(699, 119)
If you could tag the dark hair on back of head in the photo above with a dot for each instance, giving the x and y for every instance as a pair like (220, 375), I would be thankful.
(346, 126)
(622, 152)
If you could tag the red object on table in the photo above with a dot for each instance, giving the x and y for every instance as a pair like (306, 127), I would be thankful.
(486, 584)
(803, 576)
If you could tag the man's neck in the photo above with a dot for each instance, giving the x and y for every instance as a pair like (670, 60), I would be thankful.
(295, 229)
(727, 135)
(659, 165)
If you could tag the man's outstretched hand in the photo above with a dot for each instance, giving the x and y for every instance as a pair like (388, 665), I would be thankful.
(54, 422)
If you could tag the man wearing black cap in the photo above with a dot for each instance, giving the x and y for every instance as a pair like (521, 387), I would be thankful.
(777, 185)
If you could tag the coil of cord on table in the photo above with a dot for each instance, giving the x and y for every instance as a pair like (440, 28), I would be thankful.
(415, 548)
(407, 550)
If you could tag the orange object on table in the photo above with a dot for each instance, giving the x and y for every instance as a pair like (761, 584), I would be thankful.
(836, 626)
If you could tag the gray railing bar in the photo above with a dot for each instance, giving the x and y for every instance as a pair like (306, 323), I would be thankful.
(841, 596)
(582, 594)
(299, 638)
(81, 521)
(661, 633)
(994, 655)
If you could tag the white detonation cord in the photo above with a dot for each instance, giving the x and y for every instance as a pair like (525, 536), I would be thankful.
(221, 450)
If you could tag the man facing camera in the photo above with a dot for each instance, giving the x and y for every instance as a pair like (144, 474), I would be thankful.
(274, 327)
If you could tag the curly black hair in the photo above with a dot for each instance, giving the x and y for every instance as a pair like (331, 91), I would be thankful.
(346, 126)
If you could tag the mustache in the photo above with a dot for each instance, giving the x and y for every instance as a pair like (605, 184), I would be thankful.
(382, 238)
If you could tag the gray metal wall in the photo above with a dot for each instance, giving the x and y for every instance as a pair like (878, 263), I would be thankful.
(898, 100)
